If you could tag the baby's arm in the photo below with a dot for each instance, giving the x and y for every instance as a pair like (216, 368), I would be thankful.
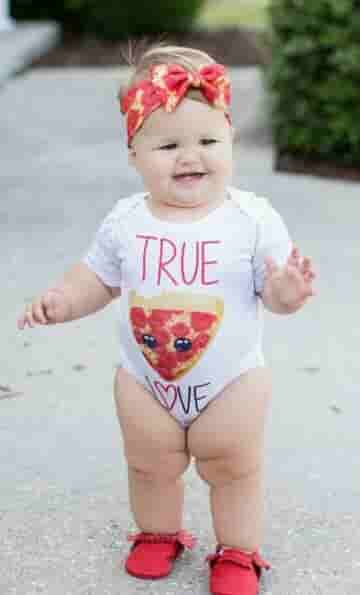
(282, 278)
(79, 293)
(286, 289)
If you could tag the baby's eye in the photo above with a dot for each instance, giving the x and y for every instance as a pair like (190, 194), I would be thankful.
(208, 141)
(168, 147)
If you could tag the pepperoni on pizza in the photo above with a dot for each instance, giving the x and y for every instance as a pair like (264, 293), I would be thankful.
(174, 330)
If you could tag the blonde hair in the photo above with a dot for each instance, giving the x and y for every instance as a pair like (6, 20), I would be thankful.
(189, 58)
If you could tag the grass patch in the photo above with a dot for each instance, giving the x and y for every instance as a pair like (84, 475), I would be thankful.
(230, 13)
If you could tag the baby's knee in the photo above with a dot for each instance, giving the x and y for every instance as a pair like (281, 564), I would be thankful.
(223, 470)
(158, 468)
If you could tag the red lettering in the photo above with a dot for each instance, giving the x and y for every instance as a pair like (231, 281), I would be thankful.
(144, 254)
(162, 262)
(192, 262)
(196, 268)
(205, 262)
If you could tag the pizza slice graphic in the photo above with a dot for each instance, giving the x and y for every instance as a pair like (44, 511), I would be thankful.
(173, 330)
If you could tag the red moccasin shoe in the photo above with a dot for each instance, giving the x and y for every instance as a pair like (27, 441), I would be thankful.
(234, 572)
(153, 554)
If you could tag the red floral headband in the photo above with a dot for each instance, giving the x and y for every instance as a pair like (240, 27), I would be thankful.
(167, 86)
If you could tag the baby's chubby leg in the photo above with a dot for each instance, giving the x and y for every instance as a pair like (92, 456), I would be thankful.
(156, 453)
(227, 442)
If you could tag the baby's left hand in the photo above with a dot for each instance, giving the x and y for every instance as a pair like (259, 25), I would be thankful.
(292, 283)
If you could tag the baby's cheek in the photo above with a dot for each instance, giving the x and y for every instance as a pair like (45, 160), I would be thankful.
(153, 173)
(159, 166)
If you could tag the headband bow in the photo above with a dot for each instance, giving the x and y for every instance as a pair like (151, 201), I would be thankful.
(167, 86)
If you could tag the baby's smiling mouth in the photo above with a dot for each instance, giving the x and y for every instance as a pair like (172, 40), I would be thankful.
(190, 175)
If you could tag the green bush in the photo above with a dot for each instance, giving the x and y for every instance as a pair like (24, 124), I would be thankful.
(314, 78)
(114, 19)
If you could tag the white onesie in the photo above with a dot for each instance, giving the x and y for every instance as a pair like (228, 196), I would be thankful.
(190, 318)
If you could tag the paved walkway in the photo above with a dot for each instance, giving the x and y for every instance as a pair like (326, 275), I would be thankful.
(63, 499)
(23, 44)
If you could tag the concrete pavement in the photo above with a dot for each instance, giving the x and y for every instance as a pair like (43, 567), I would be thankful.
(63, 499)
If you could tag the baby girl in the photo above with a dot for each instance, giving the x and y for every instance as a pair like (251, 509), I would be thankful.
(195, 261)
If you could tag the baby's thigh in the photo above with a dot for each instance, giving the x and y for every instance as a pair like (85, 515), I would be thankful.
(153, 440)
(231, 428)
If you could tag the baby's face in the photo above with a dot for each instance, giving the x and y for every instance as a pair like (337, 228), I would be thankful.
(185, 157)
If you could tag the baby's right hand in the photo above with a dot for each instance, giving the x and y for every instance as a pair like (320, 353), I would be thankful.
(50, 308)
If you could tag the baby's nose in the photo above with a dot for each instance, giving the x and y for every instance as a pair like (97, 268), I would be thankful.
(189, 156)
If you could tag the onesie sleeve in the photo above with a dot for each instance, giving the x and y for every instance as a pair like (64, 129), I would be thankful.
(104, 254)
(272, 239)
